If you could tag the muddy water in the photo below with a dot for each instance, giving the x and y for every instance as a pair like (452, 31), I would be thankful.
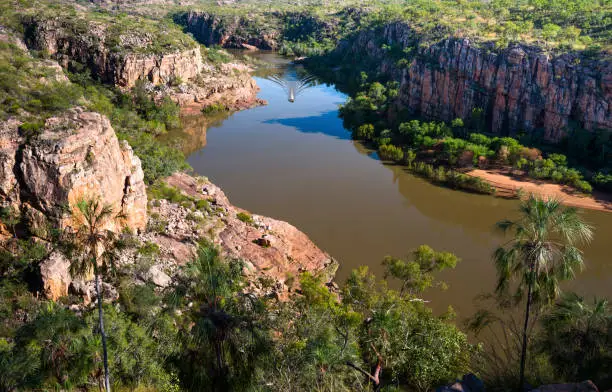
(295, 162)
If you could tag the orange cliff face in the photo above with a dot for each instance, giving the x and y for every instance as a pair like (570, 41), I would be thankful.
(519, 88)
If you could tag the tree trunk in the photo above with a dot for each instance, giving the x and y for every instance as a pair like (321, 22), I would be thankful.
(100, 314)
(524, 347)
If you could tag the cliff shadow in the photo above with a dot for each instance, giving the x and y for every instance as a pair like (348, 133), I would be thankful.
(324, 123)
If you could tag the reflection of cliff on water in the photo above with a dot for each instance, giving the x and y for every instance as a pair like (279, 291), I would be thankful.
(191, 136)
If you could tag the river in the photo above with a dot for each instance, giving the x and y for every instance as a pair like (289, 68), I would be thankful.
(294, 161)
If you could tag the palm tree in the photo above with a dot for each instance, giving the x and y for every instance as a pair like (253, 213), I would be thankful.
(540, 254)
(95, 244)
(588, 325)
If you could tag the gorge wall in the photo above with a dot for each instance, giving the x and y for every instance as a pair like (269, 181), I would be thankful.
(97, 51)
(518, 88)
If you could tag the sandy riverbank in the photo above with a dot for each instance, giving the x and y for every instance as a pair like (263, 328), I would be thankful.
(506, 184)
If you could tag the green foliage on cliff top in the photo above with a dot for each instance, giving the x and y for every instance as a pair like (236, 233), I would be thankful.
(117, 32)
(27, 84)
(554, 24)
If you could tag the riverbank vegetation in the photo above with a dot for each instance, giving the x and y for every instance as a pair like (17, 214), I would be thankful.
(440, 149)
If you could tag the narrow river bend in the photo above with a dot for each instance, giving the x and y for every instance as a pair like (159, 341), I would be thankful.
(294, 161)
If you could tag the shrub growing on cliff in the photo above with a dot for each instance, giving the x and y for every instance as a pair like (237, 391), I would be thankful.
(245, 217)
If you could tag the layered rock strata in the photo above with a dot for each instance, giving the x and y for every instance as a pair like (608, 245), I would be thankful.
(519, 89)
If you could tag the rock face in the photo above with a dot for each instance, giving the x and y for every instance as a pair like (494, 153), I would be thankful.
(230, 85)
(518, 89)
(158, 69)
(76, 155)
(228, 32)
(181, 75)
(121, 68)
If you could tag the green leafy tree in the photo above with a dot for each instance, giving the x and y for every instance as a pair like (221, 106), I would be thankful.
(541, 253)
(400, 339)
(550, 31)
(94, 244)
(417, 274)
(317, 348)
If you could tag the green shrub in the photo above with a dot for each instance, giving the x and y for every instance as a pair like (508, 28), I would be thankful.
(603, 181)
(149, 249)
(31, 129)
(389, 152)
(583, 186)
(364, 132)
(161, 190)
(215, 108)
(245, 217)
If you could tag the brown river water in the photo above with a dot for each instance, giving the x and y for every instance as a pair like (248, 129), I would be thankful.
(295, 162)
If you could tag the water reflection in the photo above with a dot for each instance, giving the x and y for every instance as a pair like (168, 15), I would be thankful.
(191, 136)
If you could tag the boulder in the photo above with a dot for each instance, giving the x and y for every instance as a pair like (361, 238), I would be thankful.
(55, 274)
(159, 277)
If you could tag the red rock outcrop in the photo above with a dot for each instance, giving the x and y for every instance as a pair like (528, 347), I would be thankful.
(77, 154)
(286, 251)
(55, 274)
(518, 88)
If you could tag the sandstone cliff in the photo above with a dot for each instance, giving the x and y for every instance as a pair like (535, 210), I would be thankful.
(75, 155)
(120, 63)
(274, 252)
(180, 74)
(519, 88)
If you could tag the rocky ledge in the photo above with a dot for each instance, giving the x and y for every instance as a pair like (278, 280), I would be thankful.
(273, 252)
(180, 73)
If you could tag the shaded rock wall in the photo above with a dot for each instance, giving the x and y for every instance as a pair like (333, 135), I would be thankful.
(519, 88)
(228, 32)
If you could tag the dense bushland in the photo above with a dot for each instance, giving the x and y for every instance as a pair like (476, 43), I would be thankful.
(209, 331)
